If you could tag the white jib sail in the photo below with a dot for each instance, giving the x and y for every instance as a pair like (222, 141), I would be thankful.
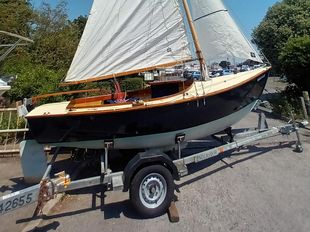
(219, 36)
(122, 36)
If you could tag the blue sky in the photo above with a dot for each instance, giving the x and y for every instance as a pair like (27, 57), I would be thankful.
(247, 13)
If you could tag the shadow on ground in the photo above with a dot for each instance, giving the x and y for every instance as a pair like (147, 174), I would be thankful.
(258, 151)
(18, 184)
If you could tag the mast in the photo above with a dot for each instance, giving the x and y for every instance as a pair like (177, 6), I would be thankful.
(195, 38)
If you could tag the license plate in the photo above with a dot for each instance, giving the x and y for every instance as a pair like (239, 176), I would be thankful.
(17, 200)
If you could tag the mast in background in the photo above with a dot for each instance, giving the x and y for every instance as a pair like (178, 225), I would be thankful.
(195, 39)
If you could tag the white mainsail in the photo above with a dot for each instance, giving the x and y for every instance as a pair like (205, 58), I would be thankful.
(219, 36)
(123, 37)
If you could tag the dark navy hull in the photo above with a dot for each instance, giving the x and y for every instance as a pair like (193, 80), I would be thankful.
(150, 121)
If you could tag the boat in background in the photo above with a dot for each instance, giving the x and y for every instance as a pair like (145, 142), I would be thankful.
(122, 38)
(4, 87)
(6, 49)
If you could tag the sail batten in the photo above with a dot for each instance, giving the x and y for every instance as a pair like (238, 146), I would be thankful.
(129, 36)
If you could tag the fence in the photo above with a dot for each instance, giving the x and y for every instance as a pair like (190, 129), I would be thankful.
(12, 130)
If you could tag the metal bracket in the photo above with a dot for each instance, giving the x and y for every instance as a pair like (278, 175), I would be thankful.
(182, 168)
(298, 145)
(179, 139)
(262, 122)
(62, 179)
(108, 144)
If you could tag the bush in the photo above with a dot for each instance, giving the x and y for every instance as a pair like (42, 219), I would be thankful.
(288, 102)
(31, 79)
(105, 86)
(130, 84)
(295, 59)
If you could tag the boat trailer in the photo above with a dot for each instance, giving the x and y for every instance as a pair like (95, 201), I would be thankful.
(149, 176)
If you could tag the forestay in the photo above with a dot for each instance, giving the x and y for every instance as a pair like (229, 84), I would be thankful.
(123, 37)
(220, 37)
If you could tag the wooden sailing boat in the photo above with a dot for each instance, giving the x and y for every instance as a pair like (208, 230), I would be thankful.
(4, 87)
(127, 37)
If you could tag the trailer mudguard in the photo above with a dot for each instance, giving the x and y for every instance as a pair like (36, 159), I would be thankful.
(144, 159)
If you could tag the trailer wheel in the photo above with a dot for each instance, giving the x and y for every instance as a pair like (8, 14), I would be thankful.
(151, 191)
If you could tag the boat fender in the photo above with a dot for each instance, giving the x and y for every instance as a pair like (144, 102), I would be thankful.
(144, 159)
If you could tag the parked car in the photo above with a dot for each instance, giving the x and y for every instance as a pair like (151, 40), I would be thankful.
(245, 68)
(192, 74)
(196, 75)
(227, 72)
(216, 73)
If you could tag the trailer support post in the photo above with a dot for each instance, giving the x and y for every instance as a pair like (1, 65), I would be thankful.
(182, 168)
(179, 139)
(262, 122)
(108, 144)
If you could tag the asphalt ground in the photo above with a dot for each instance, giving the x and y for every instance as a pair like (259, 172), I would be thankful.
(263, 187)
(11, 181)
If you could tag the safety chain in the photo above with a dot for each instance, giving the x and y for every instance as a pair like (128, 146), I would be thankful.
(44, 195)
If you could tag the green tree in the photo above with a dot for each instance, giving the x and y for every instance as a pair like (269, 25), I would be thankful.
(32, 79)
(56, 38)
(295, 61)
(42, 65)
(15, 16)
(80, 23)
(286, 19)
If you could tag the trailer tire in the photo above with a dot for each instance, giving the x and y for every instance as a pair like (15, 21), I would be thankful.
(151, 191)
